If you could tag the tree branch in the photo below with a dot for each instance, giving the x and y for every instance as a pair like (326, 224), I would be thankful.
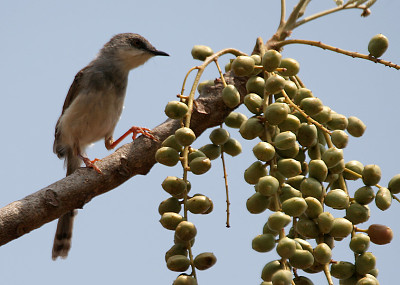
(74, 191)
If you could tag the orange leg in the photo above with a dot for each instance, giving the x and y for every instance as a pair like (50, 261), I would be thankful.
(110, 144)
(90, 163)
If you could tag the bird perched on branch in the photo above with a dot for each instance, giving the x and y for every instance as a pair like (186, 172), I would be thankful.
(92, 109)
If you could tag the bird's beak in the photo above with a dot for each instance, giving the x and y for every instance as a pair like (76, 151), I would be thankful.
(159, 52)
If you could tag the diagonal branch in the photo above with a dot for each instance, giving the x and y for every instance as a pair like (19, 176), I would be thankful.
(74, 191)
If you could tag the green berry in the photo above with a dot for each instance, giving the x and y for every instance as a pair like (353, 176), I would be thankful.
(264, 151)
(257, 203)
(302, 259)
(253, 102)
(243, 65)
(263, 243)
(200, 165)
(271, 60)
(276, 113)
(230, 96)
(292, 67)
(167, 156)
(255, 84)
(254, 172)
(212, 151)
(170, 220)
(337, 199)
(355, 127)
(178, 263)
(172, 142)
(235, 120)
(274, 84)
(251, 128)
(204, 260)
(185, 136)
(232, 147)
(371, 175)
(201, 52)
(219, 136)
(378, 45)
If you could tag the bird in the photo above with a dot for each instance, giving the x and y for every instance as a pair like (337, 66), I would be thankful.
(91, 110)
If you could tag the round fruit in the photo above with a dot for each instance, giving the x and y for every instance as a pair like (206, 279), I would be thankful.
(325, 222)
(285, 140)
(195, 153)
(317, 169)
(355, 166)
(212, 151)
(267, 185)
(265, 151)
(307, 135)
(291, 123)
(230, 96)
(174, 186)
(254, 172)
(201, 52)
(257, 203)
(383, 199)
(185, 280)
(243, 65)
(286, 247)
(301, 94)
(251, 128)
(282, 277)
(205, 84)
(302, 259)
(186, 230)
(378, 45)
(200, 165)
(176, 109)
(311, 105)
(167, 156)
(359, 243)
(307, 228)
(355, 127)
(185, 136)
(311, 187)
(271, 60)
(341, 228)
(274, 84)
(332, 156)
(380, 234)
(219, 136)
(255, 84)
(289, 167)
(364, 195)
(371, 175)
(198, 204)
(176, 249)
(365, 262)
(276, 113)
(232, 147)
(171, 142)
(269, 269)
(294, 206)
(357, 213)
(342, 270)
(337, 199)
(178, 263)
(337, 122)
(291, 65)
(339, 138)
(204, 260)
(235, 120)
(171, 204)
(394, 184)
(253, 102)
(278, 220)
(322, 253)
(323, 116)
(263, 243)
(314, 207)
(170, 220)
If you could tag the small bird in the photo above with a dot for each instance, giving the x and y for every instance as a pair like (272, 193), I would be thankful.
(92, 109)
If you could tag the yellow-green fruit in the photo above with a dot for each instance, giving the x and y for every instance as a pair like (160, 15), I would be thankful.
(200, 165)
(368, 280)
(174, 185)
(325, 222)
(311, 187)
(338, 168)
(303, 244)
(267, 185)
(204, 260)
(243, 65)
(194, 153)
(176, 249)
(269, 269)
(291, 123)
(337, 122)
(274, 84)
(265, 151)
(337, 199)
(307, 228)
(285, 140)
(359, 243)
(371, 175)
(332, 156)
(212, 151)
(286, 247)
(219, 136)
(171, 204)
(171, 142)
(186, 230)
(276, 113)
(289, 167)
(339, 138)
(301, 94)
(282, 277)
(365, 262)
(357, 213)
(198, 204)
(170, 220)
(178, 263)
(230, 96)
(235, 120)
(294, 206)
(355, 127)
(257, 203)
(302, 259)
(254, 172)
(255, 84)
(317, 169)
(271, 60)
(290, 152)
(288, 192)
(322, 253)
(176, 109)
(314, 207)
(263, 243)
(355, 166)
(251, 128)
(394, 184)
(185, 280)
(378, 45)
(311, 105)
(205, 84)
(185, 136)
(253, 102)
(232, 147)
(295, 181)
(302, 280)
(323, 116)
(383, 199)
(307, 135)
(278, 220)
(292, 67)
(201, 52)
(364, 195)
(167, 156)
(228, 66)
(342, 270)
(341, 228)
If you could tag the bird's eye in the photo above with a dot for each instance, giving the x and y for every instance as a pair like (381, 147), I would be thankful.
(136, 43)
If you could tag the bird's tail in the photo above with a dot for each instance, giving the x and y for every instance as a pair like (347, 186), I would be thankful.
(62, 238)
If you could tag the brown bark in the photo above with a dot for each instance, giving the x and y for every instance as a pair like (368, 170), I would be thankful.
(74, 191)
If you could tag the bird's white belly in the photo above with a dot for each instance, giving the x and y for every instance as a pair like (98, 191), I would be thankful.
(89, 118)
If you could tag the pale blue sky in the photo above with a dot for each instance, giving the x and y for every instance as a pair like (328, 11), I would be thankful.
(117, 237)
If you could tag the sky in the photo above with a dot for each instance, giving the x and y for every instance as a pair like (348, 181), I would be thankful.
(117, 237)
